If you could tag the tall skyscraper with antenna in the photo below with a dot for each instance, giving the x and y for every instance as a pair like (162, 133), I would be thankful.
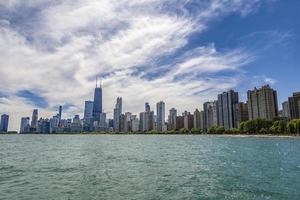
(97, 106)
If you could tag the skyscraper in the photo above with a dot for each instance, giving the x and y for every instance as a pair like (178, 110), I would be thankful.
(294, 104)
(97, 106)
(4, 123)
(102, 121)
(208, 115)
(135, 123)
(188, 120)
(34, 119)
(88, 116)
(45, 126)
(24, 127)
(240, 113)
(286, 110)
(123, 123)
(147, 107)
(197, 119)
(179, 122)
(117, 114)
(143, 125)
(262, 103)
(215, 108)
(59, 113)
(160, 111)
(127, 123)
(226, 105)
(88, 110)
(172, 119)
(54, 122)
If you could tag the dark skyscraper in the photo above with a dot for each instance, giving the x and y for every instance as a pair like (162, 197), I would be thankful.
(160, 111)
(97, 107)
(34, 119)
(147, 107)
(59, 113)
(4, 123)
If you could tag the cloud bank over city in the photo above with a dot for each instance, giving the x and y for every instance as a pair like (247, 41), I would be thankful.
(143, 50)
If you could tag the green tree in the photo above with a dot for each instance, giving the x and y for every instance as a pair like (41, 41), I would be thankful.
(220, 130)
(254, 126)
(184, 131)
(293, 126)
(233, 131)
(196, 131)
(279, 127)
(242, 127)
(263, 131)
(212, 130)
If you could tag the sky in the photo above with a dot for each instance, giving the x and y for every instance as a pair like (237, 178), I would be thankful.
(183, 52)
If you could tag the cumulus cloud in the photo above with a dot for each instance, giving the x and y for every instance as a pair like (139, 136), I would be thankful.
(54, 49)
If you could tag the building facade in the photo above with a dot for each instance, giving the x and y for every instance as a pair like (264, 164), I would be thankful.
(160, 110)
(34, 119)
(198, 119)
(172, 119)
(188, 120)
(262, 103)
(294, 106)
(24, 127)
(179, 122)
(88, 110)
(215, 108)
(117, 114)
(240, 113)
(4, 123)
(135, 123)
(286, 113)
(97, 104)
(226, 106)
(208, 115)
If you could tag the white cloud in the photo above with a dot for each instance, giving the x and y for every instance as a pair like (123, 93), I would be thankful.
(69, 42)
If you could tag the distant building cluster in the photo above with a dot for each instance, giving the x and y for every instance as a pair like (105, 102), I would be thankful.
(226, 111)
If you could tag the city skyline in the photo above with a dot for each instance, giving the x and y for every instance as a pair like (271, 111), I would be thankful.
(177, 52)
(226, 110)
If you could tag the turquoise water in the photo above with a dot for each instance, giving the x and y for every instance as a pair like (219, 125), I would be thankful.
(148, 167)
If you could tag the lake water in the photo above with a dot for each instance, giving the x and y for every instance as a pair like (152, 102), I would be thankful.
(148, 167)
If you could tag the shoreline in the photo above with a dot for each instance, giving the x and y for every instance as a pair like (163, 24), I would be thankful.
(166, 134)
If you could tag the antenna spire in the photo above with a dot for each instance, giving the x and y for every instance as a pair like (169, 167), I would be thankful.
(96, 81)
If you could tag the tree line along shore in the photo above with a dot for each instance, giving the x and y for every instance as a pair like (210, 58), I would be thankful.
(251, 127)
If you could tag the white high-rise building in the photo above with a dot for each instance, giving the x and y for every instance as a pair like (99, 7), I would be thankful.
(117, 114)
(135, 123)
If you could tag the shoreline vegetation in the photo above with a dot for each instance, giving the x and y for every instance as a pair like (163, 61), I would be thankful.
(259, 128)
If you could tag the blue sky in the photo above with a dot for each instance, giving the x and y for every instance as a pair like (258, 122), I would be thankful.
(184, 52)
